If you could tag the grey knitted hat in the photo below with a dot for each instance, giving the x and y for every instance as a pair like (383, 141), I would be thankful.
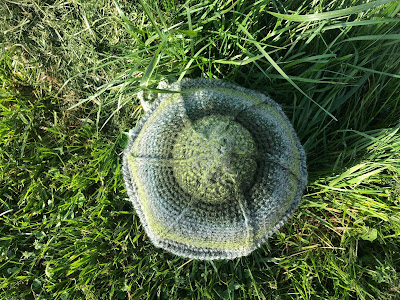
(213, 169)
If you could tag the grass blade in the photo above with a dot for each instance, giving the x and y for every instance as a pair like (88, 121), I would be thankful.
(131, 28)
(331, 14)
(150, 69)
(152, 19)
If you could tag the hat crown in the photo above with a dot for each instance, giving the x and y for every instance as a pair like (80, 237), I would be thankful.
(215, 157)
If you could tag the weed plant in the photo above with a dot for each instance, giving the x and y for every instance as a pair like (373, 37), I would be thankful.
(70, 72)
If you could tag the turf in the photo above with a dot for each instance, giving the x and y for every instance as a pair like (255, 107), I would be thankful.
(70, 72)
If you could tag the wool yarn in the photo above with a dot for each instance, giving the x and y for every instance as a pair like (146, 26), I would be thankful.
(213, 169)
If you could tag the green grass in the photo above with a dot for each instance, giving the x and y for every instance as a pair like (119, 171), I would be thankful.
(70, 72)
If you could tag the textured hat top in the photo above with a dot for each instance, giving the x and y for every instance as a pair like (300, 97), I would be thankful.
(213, 169)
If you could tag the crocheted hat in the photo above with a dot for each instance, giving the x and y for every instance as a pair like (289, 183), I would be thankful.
(213, 169)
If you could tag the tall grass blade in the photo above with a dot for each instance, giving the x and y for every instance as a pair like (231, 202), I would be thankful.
(331, 14)
(151, 67)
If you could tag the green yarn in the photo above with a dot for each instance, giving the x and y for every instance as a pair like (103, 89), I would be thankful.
(213, 170)
(214, 157)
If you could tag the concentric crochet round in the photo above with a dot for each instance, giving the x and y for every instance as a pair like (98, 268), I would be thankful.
(213, 169)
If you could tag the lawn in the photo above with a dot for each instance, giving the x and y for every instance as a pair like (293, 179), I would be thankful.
(70, 72)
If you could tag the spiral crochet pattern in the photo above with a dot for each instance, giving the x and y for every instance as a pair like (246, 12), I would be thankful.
(213, 169)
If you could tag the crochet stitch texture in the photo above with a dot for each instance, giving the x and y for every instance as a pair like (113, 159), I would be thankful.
(213, 169)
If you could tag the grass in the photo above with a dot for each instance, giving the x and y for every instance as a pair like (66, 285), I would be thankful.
(70, 72)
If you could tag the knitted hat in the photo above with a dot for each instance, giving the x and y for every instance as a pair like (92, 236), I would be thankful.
(213, 169)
